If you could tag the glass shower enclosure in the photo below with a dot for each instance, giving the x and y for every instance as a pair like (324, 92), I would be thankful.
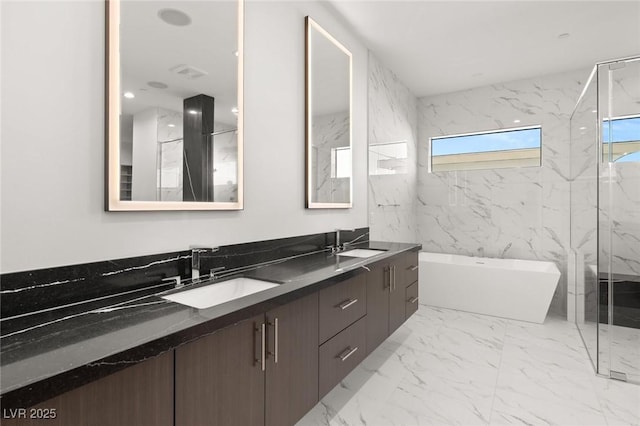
(605, 217)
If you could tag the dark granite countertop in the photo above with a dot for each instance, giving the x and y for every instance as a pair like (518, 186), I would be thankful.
(42, 360)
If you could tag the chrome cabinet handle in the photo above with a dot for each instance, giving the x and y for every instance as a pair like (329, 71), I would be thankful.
(275, 338)
(413, 268)
(261, 358)
(344, 305)
(413, 300)
(274, 324)
(347, 353)
(393, 269)
(263, 351)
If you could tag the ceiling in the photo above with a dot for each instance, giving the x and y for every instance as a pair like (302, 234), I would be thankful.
(446, 46)
(151, 50)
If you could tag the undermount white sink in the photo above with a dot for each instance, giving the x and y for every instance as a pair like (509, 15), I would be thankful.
(361, 253)
(217, 293)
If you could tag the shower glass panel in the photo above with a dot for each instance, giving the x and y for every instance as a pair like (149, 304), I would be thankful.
(584, 215)
(619, 98)
(605, 217)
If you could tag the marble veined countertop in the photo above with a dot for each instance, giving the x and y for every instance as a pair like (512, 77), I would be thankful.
(57, 354)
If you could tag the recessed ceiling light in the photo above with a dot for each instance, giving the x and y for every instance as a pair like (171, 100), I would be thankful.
(129, 95)
(594, 111)
(516, 121)
(234, 110)
(174, 17)
(172, 125)
(583, 128)
(192, 111)
(157, 84)
(236, 53)
(564, 36)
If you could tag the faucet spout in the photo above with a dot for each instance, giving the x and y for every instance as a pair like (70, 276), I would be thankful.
(339, 245)
(197, 253)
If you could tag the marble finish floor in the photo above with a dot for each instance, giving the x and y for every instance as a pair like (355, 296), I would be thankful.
(619, 347)
(445, 367)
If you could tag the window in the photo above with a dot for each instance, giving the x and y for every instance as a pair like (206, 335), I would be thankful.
(388, 158)
(341, 162)
(621, 136)
(487, 150)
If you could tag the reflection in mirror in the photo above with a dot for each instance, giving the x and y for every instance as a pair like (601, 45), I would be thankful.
(328, 120)
(175, 105)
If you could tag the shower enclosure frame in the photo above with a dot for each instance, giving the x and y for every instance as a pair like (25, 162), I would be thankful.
(602, 358)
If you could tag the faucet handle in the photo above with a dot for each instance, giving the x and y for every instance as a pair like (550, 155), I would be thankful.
(176, 279)
(212, 272)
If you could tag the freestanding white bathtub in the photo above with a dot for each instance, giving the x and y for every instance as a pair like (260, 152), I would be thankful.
(507, 288)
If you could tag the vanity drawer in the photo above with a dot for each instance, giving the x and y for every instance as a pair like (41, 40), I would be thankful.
(341, 305)
(411, 300)
(340, 355)
(409, 265)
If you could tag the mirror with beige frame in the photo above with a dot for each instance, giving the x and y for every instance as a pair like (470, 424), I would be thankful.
(328, 120)
(174, 111)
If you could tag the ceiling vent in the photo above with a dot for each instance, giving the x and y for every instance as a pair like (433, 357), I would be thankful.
(189, 72)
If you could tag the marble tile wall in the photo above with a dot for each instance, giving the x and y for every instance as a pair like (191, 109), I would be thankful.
(329, 131)
(507, 213)
(392, 118)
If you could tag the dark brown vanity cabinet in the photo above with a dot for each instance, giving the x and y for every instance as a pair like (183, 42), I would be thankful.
(291, 361)
(262, 371)
(219, 379)
(138, 395)
(377, 322)
(343, 307)
(387, 296)
(411, 304)
(403, 273)
(409, 273)
(268, 370)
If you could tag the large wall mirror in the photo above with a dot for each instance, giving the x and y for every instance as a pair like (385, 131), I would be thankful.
(174, 112)
(328, 120)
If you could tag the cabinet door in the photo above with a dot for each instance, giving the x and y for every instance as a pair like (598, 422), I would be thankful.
(138, 395)
(377, 306)
(396, 296)
(219, 379)
(292, 361)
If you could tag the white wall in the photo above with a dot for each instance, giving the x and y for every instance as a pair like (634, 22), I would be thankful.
(53, 140)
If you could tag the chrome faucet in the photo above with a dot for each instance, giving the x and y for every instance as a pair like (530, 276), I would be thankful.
(341, 246)
(197, 252)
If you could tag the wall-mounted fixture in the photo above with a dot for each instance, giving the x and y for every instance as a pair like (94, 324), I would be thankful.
(176, 141)
(327, 120)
